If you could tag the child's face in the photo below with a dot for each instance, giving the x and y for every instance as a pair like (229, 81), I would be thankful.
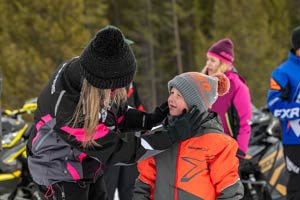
(176, 103)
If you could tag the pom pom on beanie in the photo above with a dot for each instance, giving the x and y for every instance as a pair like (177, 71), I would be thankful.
(223, 84)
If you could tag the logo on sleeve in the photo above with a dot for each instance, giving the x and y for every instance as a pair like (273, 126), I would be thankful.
(274, 85)
(289, 113)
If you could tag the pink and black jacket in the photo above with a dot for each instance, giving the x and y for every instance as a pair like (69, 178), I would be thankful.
(234, 109)
(55, 152)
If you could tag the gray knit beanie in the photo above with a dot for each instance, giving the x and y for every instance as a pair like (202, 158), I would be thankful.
(199, 89)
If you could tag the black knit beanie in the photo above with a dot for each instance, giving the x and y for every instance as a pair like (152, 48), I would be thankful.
(295, 39)
(108, 61)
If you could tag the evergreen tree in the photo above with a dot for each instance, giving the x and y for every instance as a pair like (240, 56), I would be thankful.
(37, 38)
(251, 26)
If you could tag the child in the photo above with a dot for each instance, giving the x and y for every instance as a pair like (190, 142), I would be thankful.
(202, 167)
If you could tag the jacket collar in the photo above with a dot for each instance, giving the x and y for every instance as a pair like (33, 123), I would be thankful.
(294, 58)
(210, 122)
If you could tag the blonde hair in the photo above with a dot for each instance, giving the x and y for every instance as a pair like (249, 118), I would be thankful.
(91, 101)
(221, 69)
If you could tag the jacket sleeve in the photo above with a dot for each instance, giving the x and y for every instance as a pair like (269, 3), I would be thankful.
(144, 186)
(279, 101)
(110, 147)
(116, 147)
(226, 178)
(242, 103)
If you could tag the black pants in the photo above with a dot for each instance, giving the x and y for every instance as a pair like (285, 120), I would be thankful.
(121, 178)
(75, 191)
(292, 158)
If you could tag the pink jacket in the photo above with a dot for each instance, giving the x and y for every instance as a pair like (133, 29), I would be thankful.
(234, 108)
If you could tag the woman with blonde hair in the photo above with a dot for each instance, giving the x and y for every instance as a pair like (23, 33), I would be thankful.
(234, 108)
(81, 121)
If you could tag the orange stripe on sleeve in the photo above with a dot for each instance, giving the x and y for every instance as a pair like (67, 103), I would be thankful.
(274, 85)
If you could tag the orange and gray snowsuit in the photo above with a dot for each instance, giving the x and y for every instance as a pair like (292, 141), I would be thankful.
(202, 167)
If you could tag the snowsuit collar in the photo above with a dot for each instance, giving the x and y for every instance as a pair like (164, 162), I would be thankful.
(210, 122)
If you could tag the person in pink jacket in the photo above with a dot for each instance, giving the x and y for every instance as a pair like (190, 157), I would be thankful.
(234, 108)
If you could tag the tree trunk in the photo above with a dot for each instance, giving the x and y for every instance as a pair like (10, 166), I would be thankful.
(177, 39)
(151, 58)
(0, 108)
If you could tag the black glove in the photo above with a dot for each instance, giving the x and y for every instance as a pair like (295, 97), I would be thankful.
(159, 114)
(185, 126)
(136, 120)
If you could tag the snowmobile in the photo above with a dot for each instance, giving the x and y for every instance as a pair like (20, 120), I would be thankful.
(15, 181)
(263, 171)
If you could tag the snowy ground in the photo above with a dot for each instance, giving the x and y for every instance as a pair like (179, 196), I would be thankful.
(21, 196)
(116, 195)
